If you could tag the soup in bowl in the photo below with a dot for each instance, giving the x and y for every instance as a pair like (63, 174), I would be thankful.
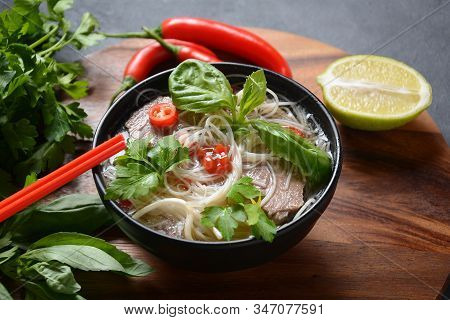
(226, 166)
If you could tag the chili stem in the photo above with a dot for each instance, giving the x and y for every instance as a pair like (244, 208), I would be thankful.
(146, 34)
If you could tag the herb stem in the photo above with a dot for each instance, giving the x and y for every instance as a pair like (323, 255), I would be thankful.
(44, 38)
(55, 47)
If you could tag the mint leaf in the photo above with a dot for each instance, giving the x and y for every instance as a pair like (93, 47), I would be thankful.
(243, 190)
(254, 93)
(264, 228)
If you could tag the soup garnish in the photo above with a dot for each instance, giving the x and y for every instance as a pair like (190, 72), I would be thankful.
(234, 165)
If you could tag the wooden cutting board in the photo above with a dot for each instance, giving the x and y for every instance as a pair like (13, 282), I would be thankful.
(385, 235)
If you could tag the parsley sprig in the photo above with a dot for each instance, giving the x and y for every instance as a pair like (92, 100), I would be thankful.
(36, 129)
(241, 208)
(141, 170)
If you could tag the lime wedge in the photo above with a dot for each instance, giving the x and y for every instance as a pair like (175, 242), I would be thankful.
(374, 93)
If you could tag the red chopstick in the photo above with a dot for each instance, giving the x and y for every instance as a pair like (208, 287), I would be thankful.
(60, 177)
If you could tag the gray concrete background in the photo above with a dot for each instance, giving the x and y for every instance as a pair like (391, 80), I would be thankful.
(419, 34)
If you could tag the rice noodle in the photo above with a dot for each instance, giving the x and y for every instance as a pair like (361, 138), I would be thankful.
(188, 188)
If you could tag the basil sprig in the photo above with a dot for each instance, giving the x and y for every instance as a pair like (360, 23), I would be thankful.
(45, 266)
(313, 163)
(199, 87)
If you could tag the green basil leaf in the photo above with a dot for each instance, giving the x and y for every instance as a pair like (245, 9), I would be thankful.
(199, 87)
(4, 294)
(254, 93)
(82, 257)
(8, 254)
(82, 213)
(39, 290)
(314, 164)
(57, 276)
(130, 266)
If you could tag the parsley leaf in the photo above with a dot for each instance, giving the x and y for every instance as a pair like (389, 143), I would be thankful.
(141, 169)
(241, 209)
(243, 190)
(132, 181)
(264, 228)
(36, 129)
(225, 218)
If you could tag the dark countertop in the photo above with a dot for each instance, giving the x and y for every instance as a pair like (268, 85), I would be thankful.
(407, 30)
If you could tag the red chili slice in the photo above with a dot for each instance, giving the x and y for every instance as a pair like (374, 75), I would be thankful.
(215, 160)
(297, 131)
(163, 115)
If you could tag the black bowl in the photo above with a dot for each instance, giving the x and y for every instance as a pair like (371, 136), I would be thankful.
(220, 256)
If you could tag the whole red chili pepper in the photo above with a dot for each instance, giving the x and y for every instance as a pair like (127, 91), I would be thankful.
(146, 59)
(227, 38)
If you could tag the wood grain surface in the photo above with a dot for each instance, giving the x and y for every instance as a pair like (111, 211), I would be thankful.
(385, 235)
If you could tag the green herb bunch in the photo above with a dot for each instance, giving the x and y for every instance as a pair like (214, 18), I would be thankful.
(41, 245)
(36, 129)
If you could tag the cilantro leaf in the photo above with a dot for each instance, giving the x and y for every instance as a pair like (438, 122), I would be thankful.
(243, 190)
(132, 181)
(264, 229)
